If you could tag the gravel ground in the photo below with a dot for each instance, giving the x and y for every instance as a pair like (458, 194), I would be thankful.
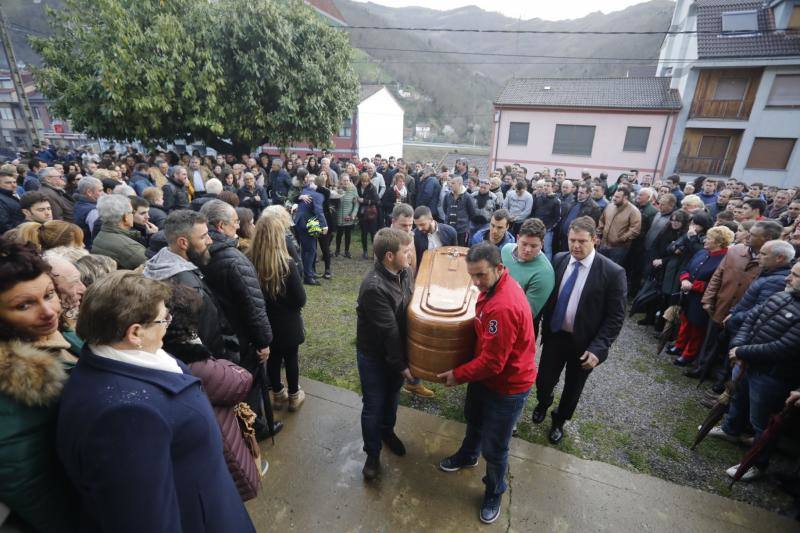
(637, 410)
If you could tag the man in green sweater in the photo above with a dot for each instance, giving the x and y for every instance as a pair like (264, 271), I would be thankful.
(529, 266)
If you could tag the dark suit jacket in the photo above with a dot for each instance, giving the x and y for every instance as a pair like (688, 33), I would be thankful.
(447, 234)
(601, 309)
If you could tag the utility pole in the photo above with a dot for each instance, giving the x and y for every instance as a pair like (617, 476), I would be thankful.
(19, 87)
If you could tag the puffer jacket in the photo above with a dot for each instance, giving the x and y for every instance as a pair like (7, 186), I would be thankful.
(226, 384)
(348, 206)
(233, 280)
(32, 481)
(769, 337)
(765, 285)
(176, 196)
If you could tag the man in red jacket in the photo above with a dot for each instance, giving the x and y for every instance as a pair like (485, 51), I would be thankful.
(500, 375)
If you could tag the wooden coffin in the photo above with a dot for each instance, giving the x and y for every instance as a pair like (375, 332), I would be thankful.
(441, 313)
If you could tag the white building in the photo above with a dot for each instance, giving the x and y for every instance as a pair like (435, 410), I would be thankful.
(378, 123)
(739, 79)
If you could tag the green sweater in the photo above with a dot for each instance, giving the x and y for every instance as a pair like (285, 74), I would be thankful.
(536, 277)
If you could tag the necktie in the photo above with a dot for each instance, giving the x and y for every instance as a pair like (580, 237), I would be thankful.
(563, 299)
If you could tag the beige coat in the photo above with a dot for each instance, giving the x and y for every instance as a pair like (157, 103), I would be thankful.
(619, 226)
(729, 282)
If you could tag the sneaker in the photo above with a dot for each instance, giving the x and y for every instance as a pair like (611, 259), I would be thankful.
(418, 389)
(490, 508)
(327, 274)
(751, 475)
(454, 463)
(394, 444)
(347, 255)
(719, 433)
(296, 399)
(372, 467)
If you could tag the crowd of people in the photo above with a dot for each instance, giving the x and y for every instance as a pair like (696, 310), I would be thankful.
(168, 290)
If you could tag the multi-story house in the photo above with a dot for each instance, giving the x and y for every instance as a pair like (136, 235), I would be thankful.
(736, 64)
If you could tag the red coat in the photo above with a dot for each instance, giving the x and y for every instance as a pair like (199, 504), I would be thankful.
(505, 348)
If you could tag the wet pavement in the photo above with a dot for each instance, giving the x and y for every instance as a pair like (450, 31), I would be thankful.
(314, 483)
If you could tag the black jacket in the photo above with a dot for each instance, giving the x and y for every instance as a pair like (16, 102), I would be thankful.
(176, 196)
(547, 209)
(198, 203)
(233, 280)
(284, 312)
(601, 309)
(381, 326)
(446, 233)
(10, 212)
(769, 338)
(158, 216)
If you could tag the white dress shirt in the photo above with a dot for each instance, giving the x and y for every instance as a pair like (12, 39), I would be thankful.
(583, 273)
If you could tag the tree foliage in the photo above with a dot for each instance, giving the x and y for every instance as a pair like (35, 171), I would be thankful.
(230, 73)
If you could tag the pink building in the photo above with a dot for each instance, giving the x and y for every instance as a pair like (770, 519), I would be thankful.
(602, 125)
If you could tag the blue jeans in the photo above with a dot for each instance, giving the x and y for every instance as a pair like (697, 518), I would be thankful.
(308, 252)
(490, 421)
(547, 246)
(757, 397)
(380, 386)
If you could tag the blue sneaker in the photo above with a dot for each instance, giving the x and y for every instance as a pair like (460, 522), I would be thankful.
(490, 508)
(454, 463)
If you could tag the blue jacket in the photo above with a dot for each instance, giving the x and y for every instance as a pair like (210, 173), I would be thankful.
(767, 283)
(84, 206)
(305, 211)
(280, 183)
(447, 234)
(483, 235)
(10, 212)
(141, 181)
(31, 182)
(428, 193)
(145, 451)
(699, 271)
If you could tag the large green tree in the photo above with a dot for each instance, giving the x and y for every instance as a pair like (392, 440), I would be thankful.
(230, 73)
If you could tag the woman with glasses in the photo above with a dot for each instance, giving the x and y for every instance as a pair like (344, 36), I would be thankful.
(136, 433)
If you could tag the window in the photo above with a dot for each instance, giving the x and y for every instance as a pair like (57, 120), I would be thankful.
(518, 133)
(636, 139)
(347, 127)
(770, 153)
(6, 113)
(36, 114)
(714, 146)
(794, 20)
(740, 21)
(5, 83)
(730, 89)
(573, 140)
(785, 91)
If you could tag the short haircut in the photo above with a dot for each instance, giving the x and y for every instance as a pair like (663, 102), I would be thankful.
(625, 190)
(180, 223)
(725, 216)
(422, 211)
(721, 235)
(757, 184)
(151, 194)
(731, 225)
(137, 202)
(772, 230)
(784, 248)
(102, 320)
(584, 224)
(674, 179)
(301, 174)
(484, 251)
(28, 199)
(124, 190)
(756, 203)
(669, 198)
(112, 207)
(217, 211)
(389, 240)
(402, 210)
(87, 183)
(229, 197)
(502, 214)
(692, 200)
(533, 227)
(92, 267)
(213, 186)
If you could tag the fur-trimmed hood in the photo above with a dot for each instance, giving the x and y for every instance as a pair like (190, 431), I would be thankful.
(32, 374)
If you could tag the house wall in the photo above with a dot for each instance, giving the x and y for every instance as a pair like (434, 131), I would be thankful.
(380, 126)
(609, 139)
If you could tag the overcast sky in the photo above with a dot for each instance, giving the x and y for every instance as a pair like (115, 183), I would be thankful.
(527, 9)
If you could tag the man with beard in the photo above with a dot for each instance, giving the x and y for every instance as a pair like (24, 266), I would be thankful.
(187, 250)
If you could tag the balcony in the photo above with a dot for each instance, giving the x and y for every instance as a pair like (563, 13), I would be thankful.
(721, 109)
(708, 166)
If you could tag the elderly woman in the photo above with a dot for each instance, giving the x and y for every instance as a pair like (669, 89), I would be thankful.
(33, 364)
(694, 279)
(136, 433)
(346, 213)
(116, 238)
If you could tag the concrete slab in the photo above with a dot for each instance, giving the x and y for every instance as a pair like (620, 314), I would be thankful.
(314, 484)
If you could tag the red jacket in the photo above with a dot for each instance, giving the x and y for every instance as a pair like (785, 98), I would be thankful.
(505, 348)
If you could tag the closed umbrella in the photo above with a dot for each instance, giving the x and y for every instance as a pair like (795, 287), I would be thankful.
(648, 293)
(776, 423)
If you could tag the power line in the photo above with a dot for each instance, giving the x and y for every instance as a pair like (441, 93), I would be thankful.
(557, 32)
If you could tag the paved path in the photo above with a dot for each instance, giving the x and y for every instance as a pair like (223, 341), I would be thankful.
(314, 484)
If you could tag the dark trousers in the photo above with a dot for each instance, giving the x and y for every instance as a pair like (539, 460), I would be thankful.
(308, 252)
(368, 227)
(255, 396)
(380, 387)
(714, 344)
(618, 254)
(325, 246)
(463, 238)
(347, 231)
(288, 356)
(559, 351)
(490, 422)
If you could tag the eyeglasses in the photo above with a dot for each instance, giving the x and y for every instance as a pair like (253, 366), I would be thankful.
(167, 320)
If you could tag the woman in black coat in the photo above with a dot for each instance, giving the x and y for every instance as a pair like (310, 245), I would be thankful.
(367, 198)
(282, 285)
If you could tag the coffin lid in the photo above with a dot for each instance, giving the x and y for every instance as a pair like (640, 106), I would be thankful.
(448, 287)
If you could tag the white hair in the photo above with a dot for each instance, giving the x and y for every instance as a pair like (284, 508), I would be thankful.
(213, 186)
(87, 183)
(651, 193)
(782, 248)
(112, 207)
(124, 190)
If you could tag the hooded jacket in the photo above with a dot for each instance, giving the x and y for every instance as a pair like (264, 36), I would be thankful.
(32, 482)
(169, 266)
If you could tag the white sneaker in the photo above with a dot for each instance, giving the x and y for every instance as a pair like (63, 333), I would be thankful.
(719, 433)
(751, 475)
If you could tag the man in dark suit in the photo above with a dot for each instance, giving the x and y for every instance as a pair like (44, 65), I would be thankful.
(582, 319)
(430, 234)
(584, 206)
(309, 206)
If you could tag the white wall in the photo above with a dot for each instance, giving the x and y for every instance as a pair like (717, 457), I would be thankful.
(380, 126)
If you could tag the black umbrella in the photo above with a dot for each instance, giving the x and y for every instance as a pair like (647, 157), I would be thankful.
(719, 409)
(649, 292)
(261, 383)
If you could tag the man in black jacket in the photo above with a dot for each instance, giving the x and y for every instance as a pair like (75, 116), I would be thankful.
(10, 211)
(380, 343)
(176, 194)
(574, 336)
(430, 234)
(233, 280)
(547, 208)
(583, 207)
(767, 344)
